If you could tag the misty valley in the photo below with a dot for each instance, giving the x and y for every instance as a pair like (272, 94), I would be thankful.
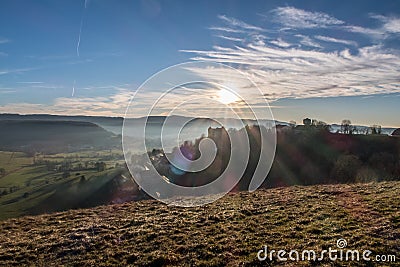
(52, 163)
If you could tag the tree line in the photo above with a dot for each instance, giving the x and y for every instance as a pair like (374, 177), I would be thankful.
(305, 154)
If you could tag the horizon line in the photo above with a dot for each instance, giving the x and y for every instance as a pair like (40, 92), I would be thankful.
(141, 117)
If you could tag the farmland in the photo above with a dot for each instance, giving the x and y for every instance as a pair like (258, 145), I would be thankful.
(30, 180)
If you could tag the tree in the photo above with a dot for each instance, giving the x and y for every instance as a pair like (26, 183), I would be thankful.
(50, 165)
(346, 127)
(322, 125)
(376, 129)
(66, 165)
(307, 122)
(100, 166)
(80, 166)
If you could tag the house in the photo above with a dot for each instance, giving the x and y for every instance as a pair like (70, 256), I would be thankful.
(396, 132)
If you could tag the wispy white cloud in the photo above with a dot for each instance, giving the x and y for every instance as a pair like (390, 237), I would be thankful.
(3, 54)
(299, 73)
(239, 24)
(4, 40)
(39, 85)
(335, 40)
(226, 29)
(236, 30)
(282, 70)
(112, 105)
(35, 82)
(390, 24)
(47, 86)
(3, 91)
(281, 43)
(295, 18)
(307, 41)
(17, 71)
(234, 39)
(375, 33)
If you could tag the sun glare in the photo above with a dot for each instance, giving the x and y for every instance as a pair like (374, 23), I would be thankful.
(226, 97)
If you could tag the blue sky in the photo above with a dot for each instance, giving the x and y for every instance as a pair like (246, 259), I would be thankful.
(320, 59)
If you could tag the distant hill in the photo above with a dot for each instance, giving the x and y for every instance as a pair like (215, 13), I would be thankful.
(53, 136)
(99, 120)
(114, 124)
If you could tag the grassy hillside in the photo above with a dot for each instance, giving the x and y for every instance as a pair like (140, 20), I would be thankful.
(228, 232)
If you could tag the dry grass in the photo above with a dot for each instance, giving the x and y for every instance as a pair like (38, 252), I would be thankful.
(227, 232)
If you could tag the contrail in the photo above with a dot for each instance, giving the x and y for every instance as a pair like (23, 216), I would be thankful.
(73, 88)
(80, 28)
(79, 38)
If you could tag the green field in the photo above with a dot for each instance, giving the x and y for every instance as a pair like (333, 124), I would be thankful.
(28, 182)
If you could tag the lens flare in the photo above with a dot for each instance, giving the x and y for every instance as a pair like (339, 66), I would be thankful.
(226, 97)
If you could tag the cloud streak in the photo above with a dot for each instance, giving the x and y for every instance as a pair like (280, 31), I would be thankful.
(295, 19)
(292, 17)
(281, 43)
(390, 24)
(15, 71)
(302, 67)
(334, 40)
(112, 105)
(4, 40)
(239, 24)
(308, 41)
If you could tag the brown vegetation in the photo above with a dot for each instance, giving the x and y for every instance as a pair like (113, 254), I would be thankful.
(228, 232)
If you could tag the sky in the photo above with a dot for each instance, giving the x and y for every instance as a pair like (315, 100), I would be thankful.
(327, 60)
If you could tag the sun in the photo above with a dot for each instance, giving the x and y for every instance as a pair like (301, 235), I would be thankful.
(226, 97)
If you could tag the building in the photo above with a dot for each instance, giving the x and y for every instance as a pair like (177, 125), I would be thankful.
(396, 132)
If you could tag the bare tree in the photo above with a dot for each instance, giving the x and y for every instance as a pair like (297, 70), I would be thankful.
(376, 129)
(307, 122)
(346, 127)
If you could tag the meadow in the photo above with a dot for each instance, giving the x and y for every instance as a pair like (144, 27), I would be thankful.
(28, 182)
(229, 232)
